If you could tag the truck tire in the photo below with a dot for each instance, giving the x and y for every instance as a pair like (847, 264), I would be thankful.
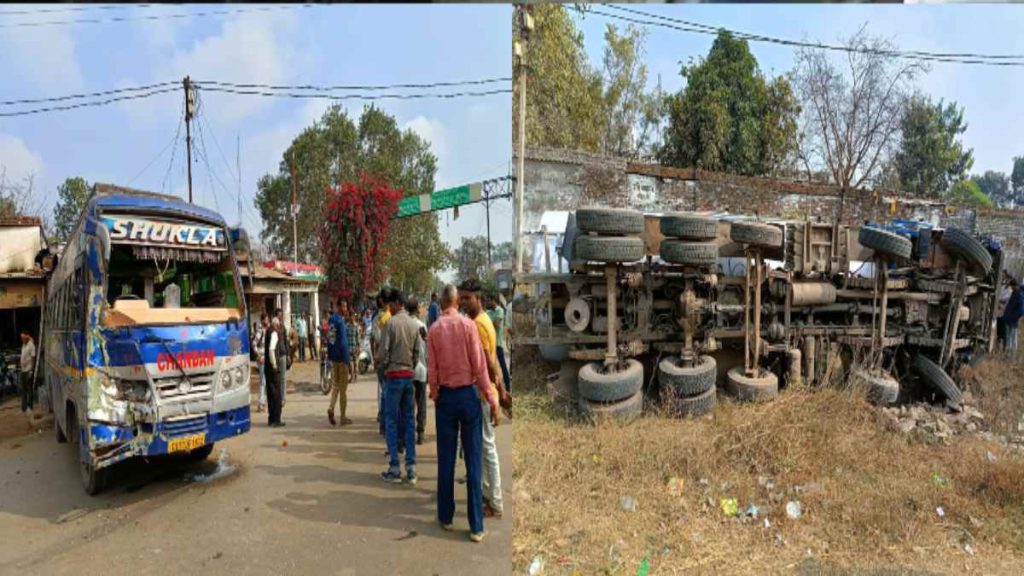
(625, 411)
(936, 377)
(967, 247)
(611, 221)
(598, 386)
(682, 406)
(689, 253)
(756, 234)
(761, 388)
(885, 242)
(610, 249)
(881, 389)
(688, 226)
(687, 380)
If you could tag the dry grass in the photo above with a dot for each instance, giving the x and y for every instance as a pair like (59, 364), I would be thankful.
(870, 499)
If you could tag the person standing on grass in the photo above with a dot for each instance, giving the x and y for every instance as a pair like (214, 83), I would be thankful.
(497, 316)
(1012, 315)
(419, 380)
(458, 378)
(399, 356)
(259, 333)
(275, 353)
(339, 355)
(469, 299)
(28, 367)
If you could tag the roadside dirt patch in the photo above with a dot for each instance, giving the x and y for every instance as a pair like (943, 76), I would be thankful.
(711, 495)
(13, 424)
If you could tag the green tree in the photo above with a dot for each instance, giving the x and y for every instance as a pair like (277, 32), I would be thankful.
(471, 259)
(71, 197)
(968, 192)
(1017, 181)
(631, 113)
(333, 150)
(995, 185)
(931, 155)
(564, 94)
(729, 117)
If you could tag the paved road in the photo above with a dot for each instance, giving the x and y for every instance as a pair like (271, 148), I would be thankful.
(313, 506)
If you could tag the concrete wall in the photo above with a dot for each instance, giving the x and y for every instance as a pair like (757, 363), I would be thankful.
(566, 180)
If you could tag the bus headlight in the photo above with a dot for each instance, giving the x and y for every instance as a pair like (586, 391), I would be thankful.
(225, 380)
(236, 376)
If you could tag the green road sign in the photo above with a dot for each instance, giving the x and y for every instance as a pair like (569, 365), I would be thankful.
(441, 199)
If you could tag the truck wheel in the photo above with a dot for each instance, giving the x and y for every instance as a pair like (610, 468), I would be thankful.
(756, 233)
(882, 389)
(200, 454)
(689, 226)
(936, 377)
(612, 221)
(763, 387)
(885, 242)
(625, 411)
(687, 380)
(681, 406)
(598, 386)
(610, 249)
(689, 253)
(967, 247)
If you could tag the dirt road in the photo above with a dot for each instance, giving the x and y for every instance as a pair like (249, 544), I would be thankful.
(313, 506)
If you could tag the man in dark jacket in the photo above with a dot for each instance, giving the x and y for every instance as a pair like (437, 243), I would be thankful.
(1012, 315)
(275, 357)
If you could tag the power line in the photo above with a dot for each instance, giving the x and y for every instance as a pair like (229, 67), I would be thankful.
(343, 87)
(151, 17)
(697, 28)
(174, 151)
(88, 94)
(87, 104)
(159, 154)
(201, 152)
(71, 9)
(357, 96)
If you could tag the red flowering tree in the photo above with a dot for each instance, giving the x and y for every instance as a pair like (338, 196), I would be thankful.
(356, 225)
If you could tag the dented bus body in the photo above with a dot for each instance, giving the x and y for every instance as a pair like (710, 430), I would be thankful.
(146, 343)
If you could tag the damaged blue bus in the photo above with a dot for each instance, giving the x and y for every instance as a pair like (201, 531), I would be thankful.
(145, 342)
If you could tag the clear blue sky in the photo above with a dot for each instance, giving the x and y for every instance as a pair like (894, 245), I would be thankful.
(319, 45)
(990, 95)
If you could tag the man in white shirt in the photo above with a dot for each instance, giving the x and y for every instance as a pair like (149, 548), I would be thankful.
(419, 380)
(28, 366)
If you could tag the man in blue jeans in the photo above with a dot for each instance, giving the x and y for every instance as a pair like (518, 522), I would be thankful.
(399, 350)
(458, 379)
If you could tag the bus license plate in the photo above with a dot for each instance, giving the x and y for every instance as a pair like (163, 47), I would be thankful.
(187, 443)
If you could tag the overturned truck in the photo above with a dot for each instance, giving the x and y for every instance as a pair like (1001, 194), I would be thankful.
(670, 307)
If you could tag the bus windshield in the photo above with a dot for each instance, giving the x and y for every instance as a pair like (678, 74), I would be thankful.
(153, 284)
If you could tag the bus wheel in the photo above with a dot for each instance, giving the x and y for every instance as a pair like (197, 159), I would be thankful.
(93, 479)
(200, 454)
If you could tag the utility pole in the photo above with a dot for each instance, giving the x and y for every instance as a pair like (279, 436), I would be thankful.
(487, 207)
(190, 108)
(519, 48)
(295, 215)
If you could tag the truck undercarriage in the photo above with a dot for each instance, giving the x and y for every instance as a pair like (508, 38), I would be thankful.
(674, 304)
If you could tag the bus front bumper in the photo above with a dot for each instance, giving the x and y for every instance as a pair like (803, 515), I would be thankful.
(113, 443)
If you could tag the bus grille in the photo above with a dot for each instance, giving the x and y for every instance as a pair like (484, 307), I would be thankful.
(172, 388)
(183, 426)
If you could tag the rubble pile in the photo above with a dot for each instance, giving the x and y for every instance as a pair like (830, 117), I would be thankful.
(942, 423)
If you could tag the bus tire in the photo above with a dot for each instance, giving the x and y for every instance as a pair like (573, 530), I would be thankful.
(682, 406)
(599, 386)
(968, 247)
(937, 379)
(688, 380)
(623, 411)
(688, 226)
(93, 479)
(200, 454)
(689, 253)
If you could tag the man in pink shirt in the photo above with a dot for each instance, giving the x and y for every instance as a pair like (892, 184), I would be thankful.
(458, 380)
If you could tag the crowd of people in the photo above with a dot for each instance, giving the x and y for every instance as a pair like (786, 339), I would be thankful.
(457, 358)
